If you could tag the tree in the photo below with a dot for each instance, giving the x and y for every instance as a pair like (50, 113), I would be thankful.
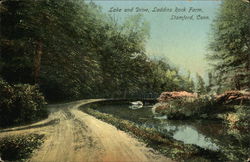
(40, 42)
(210, 82)
(230, 44)
(200, 84)
(188, 82)
(72, 50)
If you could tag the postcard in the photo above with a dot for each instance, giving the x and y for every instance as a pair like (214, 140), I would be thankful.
(124, 80)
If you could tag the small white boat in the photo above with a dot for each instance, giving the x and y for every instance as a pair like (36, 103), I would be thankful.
(137, 103)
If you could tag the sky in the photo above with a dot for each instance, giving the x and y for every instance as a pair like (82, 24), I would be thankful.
(183, 42)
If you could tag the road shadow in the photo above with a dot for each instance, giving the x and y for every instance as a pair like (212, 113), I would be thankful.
(51, 122)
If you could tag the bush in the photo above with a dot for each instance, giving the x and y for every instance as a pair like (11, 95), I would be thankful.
(240, 119)
(19, 147)
(238, 148)
(19, 104)
(165, 144)
(185, 108)
(244, 118)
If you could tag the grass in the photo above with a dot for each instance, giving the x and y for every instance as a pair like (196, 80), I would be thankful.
(19, 147)
(204, 107)
(236, 119)
(168, 146)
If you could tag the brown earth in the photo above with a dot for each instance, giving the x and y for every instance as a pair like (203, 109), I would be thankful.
(166, 96)
(238, 97)
(74, 136)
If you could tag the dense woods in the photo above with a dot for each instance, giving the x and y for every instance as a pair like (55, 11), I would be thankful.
(230, 46)
(72, 51)
(55, 51)
(20, 104)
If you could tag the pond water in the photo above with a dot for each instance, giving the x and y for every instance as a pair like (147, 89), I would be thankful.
(198, 133)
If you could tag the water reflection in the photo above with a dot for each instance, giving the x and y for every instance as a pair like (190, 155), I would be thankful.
(189, 133)
(182, 132)
(134, 107)
(160, 117)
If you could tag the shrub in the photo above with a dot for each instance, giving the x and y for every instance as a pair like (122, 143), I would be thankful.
(165, 144)
(234, 98)
(21, 103)
(240, 119)
(19, 147)
(238, 148)
(184, 108)
(167, 96)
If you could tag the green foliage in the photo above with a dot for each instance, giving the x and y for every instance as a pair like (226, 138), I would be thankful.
(189, 108)
(72, 50)
(165, 144)
(230, 46)
(19, 147)
(20, 104)
(243, 114)
(236, 118)
(201, 89)
(239, 118)
(163, 77)
(210, 83)
(238, 147)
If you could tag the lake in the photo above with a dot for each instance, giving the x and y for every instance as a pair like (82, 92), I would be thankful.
(205, 134)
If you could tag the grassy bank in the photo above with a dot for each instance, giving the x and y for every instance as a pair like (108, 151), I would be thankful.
(19, 147)
(203, 107)
(231, 108)
(166, 145)
(191, 108)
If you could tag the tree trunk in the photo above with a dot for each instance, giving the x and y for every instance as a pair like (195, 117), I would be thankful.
(125, 94)
(37, 60)
(237, 83)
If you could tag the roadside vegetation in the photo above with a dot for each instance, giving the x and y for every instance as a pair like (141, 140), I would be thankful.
(165, 144)
(232, 109)
(19, 147)
(202, 107)
(59, 51)
(20, 104)
(69, 50)
(186, 107)
(234, 119)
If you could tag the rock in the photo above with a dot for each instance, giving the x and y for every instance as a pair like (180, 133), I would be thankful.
(166, 96)
(235, 97)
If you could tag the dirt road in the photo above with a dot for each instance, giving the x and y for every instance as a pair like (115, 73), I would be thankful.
(74, 136)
